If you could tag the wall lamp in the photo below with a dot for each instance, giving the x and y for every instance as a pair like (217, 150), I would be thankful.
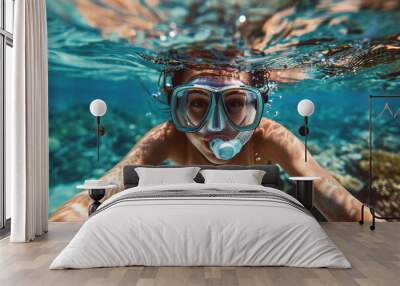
(305, 108)
(98, 108)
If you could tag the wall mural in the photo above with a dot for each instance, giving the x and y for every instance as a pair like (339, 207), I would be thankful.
(385, 178)
(218, 82)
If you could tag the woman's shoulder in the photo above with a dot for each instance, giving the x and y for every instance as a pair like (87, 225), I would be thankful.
(275, 141)
(163, 131)
(272, 131)
(268, 125)
(165, 126)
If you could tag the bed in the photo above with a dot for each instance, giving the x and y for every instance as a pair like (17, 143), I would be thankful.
(201, 224)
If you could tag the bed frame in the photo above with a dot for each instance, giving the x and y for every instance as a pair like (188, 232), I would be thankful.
(271, 178)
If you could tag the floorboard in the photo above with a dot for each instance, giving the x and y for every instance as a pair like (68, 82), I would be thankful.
(374, 255)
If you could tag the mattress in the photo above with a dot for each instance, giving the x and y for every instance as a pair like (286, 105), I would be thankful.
(201, 225)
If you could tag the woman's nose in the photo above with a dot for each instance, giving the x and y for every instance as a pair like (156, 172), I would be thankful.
(217, 119)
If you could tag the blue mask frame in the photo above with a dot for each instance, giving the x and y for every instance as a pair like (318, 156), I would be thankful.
(216, 98)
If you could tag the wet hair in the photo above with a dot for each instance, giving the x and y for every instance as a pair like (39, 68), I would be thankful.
(227, 61)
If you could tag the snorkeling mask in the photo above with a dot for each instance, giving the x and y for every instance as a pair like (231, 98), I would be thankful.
(201, 107)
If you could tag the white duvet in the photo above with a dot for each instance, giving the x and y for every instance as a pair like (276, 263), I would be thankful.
(183, 231)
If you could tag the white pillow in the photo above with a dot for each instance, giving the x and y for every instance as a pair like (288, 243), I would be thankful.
(166, 176)
(248, 177)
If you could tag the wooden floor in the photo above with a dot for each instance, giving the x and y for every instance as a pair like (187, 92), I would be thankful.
(375, 257)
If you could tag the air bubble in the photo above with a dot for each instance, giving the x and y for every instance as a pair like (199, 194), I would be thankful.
(242, 19)
(172, 33)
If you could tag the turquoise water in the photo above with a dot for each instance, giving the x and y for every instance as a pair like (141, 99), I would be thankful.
(116, 52)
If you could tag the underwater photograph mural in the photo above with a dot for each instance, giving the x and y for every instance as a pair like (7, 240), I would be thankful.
(220, 82)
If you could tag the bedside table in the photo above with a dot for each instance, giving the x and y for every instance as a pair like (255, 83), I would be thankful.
(96, 193)
(305, 190)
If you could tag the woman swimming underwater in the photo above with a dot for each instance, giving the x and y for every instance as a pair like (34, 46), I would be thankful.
(216, 111)
(217, 119)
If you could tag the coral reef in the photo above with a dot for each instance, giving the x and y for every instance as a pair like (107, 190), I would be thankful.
(385, 181)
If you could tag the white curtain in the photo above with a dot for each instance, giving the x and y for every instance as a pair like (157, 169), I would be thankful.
(27, 124)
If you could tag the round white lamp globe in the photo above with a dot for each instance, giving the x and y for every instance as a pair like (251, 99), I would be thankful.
(98, 107)
(305, 107)
(242, 19)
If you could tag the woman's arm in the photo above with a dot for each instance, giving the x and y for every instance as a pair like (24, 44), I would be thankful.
(334, 201)
(156, 146)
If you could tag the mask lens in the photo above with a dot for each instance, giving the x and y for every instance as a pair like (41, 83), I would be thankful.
(241, 106)
(191, 107)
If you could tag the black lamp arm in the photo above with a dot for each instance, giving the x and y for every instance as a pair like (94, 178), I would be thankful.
(305, 137)
(100, 131)
(304, 132)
